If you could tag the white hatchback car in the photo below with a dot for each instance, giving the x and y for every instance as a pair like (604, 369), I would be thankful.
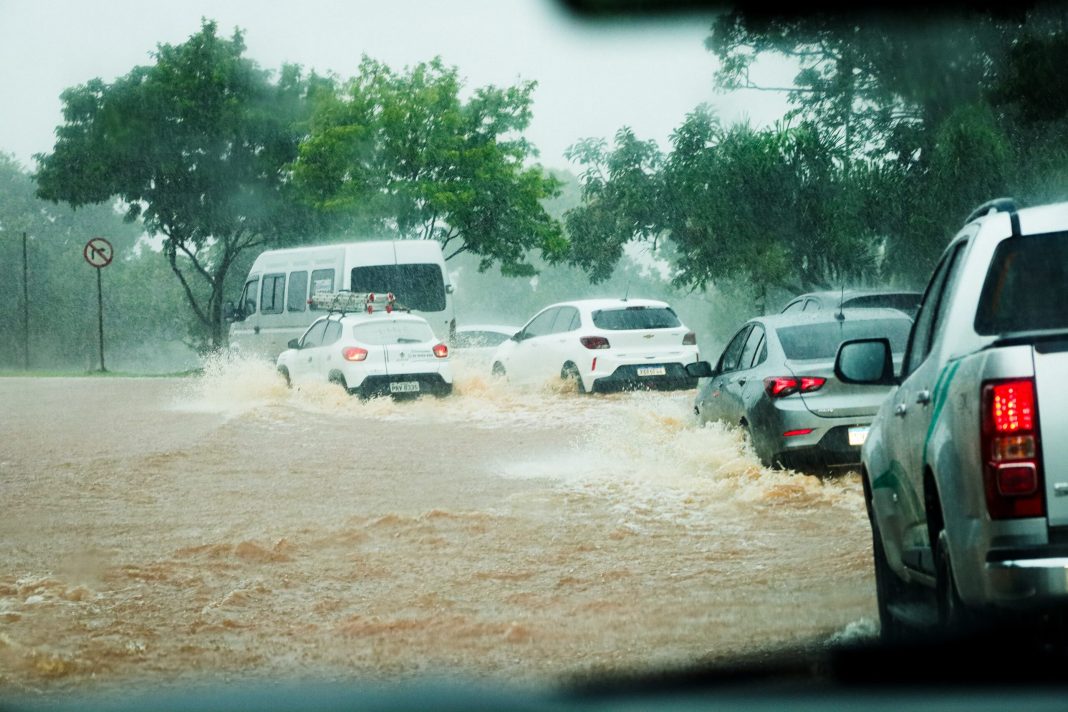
(376, 349)
(603, 344)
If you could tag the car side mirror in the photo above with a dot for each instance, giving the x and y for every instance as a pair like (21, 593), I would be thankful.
(449, 289)
(231, 313)
(866, 362)
(700, 369)
(294, 343)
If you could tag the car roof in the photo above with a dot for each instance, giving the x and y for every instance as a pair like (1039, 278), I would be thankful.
(796, 319)
(605, 303)
(500, 328)
(850, 293)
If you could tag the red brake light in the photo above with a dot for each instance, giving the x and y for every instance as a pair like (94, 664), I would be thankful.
(780, 386)
(441, 350)
(594, 342)
(1012, 458)
(690, 339)
(799, 431)
(811, 383)
(353, 353)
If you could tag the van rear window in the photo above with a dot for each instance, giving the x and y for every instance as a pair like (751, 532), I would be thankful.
(1024, 286)
(635, 318)
(417, 286)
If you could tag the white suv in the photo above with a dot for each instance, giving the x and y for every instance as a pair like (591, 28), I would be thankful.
(370, 348)
(603, 344)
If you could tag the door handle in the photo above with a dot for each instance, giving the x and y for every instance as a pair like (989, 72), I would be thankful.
(900, 409)
(923, 397)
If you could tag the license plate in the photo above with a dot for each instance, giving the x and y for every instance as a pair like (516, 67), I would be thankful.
(857, 436)
(652, 371)
(404, 387)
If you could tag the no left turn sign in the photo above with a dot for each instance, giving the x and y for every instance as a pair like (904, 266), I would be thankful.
(98, 252)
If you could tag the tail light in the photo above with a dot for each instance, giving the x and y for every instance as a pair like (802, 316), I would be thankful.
(782, 386)
(353, 353)
(1012, 461)
(594, 342)
(690, 339)
(441, 350)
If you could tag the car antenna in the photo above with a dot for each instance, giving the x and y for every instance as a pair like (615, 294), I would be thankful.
(626, 292)
(840, 316)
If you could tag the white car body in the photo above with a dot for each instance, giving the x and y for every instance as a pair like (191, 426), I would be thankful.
(370, 354)
(564, 341)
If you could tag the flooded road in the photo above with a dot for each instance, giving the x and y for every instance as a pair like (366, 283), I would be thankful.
(175, 531)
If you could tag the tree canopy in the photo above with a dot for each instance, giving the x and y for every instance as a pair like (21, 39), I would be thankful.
(401, 153)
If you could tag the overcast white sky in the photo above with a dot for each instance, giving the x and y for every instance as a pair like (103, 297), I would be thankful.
(593, 77)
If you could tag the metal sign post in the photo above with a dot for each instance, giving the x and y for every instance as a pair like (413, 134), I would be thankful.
(99, 253)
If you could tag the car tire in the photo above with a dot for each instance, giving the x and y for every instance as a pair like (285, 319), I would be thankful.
(889, 591)
(339, 379)
(953, 614)
(498, 370)
(284, 373)
(570, 372)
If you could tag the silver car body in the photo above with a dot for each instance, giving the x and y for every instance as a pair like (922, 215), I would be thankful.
(818, 428)
(924, 464)
(906, 301)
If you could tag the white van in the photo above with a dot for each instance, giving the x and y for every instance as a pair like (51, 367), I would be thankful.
(274, 308)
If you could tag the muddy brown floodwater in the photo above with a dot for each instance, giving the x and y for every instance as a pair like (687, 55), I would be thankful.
(174, 531)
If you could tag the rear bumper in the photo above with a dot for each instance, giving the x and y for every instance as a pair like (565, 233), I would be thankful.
(429, 384)
(826, 446)
(626, 378)
(1026, 578)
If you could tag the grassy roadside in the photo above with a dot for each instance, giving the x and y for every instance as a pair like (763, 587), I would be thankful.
(18, 373)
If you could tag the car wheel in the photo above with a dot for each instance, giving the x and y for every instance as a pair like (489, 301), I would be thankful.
(570, 372)
(890, 590)
(764, 458)
(498, 370)
(284, 372)
(953, 614)
(339, 379)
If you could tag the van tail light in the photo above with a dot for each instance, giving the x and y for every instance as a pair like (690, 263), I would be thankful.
(441, 351)
(782, 386)
(690, 339)
(1012, 459)
(353, 353)
(594, 342)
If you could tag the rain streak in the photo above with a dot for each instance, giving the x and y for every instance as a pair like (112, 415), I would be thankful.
(178, 530)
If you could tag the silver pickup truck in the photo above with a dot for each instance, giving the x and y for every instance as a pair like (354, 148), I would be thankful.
(965, 469)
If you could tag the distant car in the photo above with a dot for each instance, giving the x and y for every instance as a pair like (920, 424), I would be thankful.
(775, 379)
(603, 345)
(369, 348)
(482, 336)
(906, 301)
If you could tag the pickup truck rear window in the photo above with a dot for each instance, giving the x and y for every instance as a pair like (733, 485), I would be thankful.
(635, 318)
(821, 341)
(1024, 288)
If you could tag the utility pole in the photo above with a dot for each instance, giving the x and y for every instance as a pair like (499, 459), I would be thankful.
(25, 307)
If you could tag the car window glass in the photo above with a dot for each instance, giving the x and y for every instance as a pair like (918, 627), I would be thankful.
(629, 318)
(248, 296)
(541, 324)
(297, 297)
(752, 343)
(729, 360)
(1023, 287)
(762, 356)
(322, 280)
(920, 339)
(821, 340)
(314, 336)
(271, 294)
(811, 305)
(333, 332)
(565, 317)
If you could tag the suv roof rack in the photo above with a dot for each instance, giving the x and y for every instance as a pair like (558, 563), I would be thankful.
(997, 205)
(343, 301)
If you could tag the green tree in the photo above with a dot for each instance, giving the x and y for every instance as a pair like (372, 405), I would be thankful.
(197, 147)
(401, 154)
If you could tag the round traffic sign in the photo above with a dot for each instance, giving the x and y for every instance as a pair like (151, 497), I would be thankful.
(98, 252)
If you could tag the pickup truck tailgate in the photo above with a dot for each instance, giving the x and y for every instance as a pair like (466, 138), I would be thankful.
(1051, 377)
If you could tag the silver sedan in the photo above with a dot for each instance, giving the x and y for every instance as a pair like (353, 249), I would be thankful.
(775, 379)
